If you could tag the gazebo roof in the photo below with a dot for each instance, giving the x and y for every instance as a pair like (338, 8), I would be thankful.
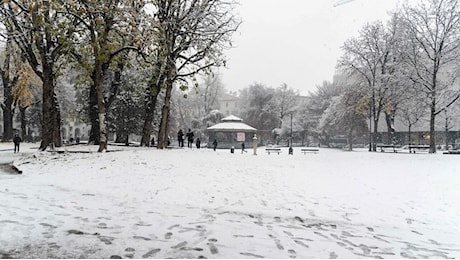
(232, 123)
(232, 118)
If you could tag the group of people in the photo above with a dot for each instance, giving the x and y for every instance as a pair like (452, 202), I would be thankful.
(190, 135)
(190, 138)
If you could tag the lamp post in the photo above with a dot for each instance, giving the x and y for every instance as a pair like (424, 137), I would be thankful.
(291, 150)
(254, 144)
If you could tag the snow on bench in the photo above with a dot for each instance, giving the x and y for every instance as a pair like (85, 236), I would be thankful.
(309, 150)
(413, 148)
(273, 150)
(383, 147)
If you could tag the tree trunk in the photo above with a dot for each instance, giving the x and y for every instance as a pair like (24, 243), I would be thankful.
(8, 113)
(150, 106)
(447, 133)
(376, 131)
(390, 119)
(350, 139)
(432, 124)
(433, 109)
(7, 106)
(51, 125)
(22, 110)
(410, 134)
(163, 131)
(99, 89)
(93, 115)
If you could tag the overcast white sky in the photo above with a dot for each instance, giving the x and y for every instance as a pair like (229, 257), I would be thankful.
(296, 42)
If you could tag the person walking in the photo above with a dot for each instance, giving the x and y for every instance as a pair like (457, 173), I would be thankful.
(198, 143)
(180, 138)
(214, 144)
(242, 147)
(16, 140)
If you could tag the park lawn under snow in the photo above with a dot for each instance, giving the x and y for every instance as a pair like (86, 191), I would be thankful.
(189, 203)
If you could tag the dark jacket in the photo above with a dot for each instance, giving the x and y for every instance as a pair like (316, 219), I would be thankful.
(17, 139)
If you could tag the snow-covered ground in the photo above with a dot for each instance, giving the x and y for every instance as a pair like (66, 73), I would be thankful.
(182, 203)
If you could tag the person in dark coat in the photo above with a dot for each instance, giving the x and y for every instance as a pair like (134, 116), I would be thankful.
(16, 140)
(214, 144)
(152, 142)
(242, 147)
(190, 136)
(180, 138)
(198, 143)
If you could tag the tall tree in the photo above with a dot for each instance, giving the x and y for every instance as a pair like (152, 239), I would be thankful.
(42, 32)
(104, 31)
(258, 109)
(433, 33)
(286, 101)
(190, 38)
(410, 112)
(369, 57)
(344, 116)
(9, 78)
(211, 89)
(316, 105)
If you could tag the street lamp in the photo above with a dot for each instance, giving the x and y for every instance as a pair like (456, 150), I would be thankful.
(291, 151)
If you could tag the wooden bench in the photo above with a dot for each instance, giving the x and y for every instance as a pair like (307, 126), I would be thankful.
(452, 152)
(273, 150)
(383, 147)
(309, 150)
(413, 148)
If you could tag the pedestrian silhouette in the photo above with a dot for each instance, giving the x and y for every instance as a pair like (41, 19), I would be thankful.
(16, 140)
(214, 144)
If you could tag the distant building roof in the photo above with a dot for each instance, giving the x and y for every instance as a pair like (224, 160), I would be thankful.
(232, 123)
(227, 97)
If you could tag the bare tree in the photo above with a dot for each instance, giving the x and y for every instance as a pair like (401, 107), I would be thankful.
(433, 33)
(190, 37)
(369, 57)
(286, 101)
(411, 110)
(212, 87)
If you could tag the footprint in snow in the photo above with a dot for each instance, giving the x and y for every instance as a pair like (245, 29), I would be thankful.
(181, 244)
(213, 248)
(277, 242)
(151, 253)
(292, 253)
(301, 243)
(251, 255)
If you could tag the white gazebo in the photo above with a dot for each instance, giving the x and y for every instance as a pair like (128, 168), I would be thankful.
(231, 132)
